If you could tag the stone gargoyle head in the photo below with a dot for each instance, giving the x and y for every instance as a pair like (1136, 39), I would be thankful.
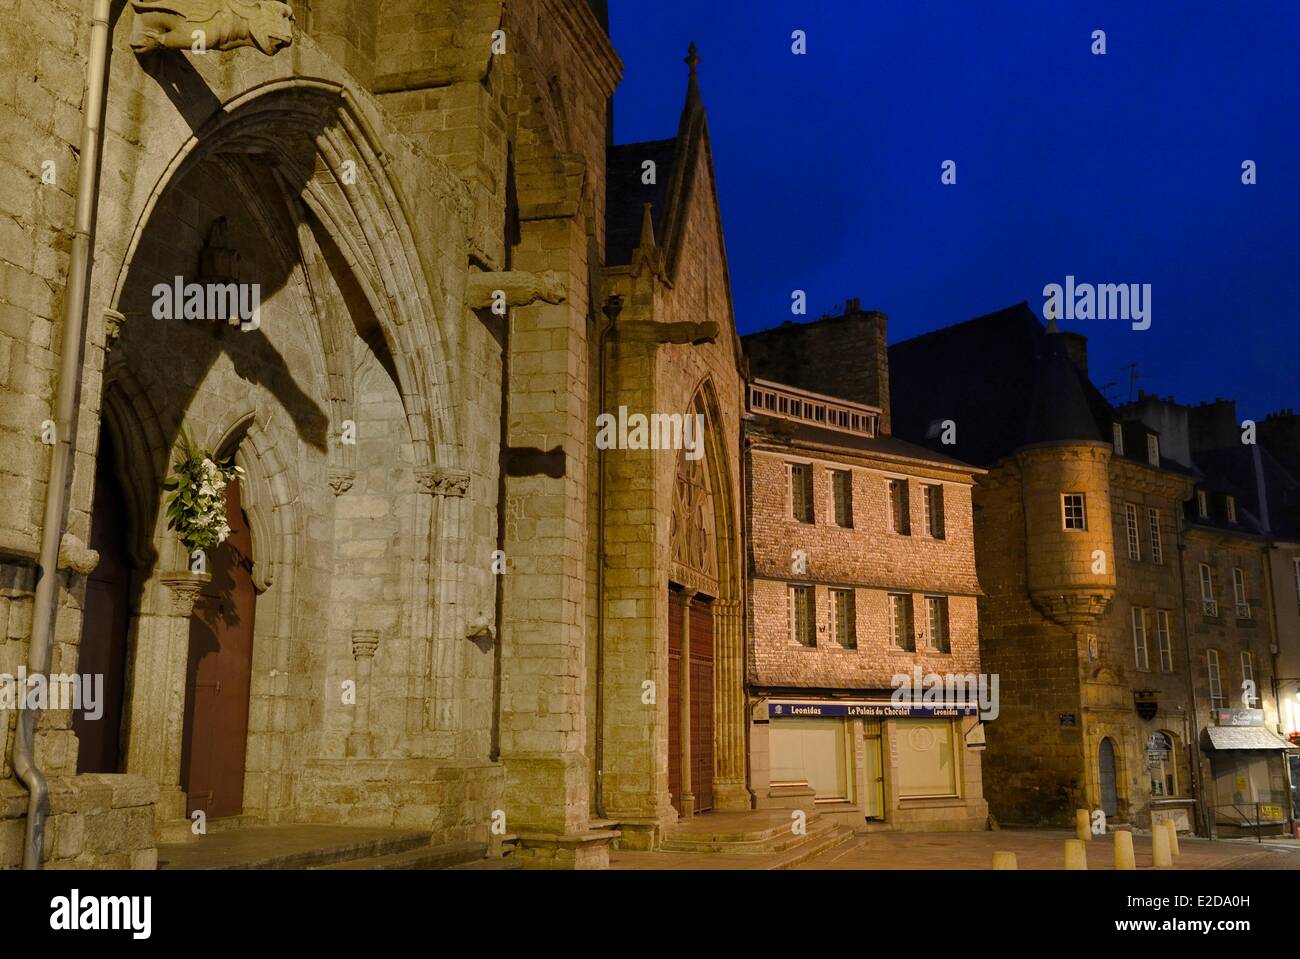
(211, 25)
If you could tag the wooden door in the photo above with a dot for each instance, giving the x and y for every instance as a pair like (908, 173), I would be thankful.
(1106, 772)
(675, 698)
(219, 676)
(106, 620)
(702, 704)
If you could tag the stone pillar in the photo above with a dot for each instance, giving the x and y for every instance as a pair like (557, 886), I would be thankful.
(365, 642)
(730, 790)
(684, 700)
(157, 716)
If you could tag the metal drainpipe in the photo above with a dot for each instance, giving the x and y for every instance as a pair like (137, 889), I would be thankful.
(1193, 740)
(612, 308)
(46, 601)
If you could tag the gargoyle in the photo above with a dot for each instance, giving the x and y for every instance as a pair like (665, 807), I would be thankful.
(223, 25)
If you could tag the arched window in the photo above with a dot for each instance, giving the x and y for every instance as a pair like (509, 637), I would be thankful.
(1162, 764)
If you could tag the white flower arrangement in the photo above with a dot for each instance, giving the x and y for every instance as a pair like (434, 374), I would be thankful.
(196, 509)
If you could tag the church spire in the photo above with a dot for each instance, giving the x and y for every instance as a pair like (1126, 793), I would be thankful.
(692, 61)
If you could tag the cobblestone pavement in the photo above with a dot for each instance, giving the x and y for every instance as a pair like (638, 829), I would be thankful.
(1034, 849)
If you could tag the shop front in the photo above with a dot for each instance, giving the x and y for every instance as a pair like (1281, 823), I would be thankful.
(1249, 794)
(870, 761)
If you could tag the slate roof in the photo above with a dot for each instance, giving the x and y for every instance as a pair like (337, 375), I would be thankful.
(625, 194)
(890, 446)
(1243, 737)
(1233, 471)
(1002, 378)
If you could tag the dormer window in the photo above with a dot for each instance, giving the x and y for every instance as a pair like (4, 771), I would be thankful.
(1117, 438)
(1153, 449)
(1231, 503)
(1202, 504)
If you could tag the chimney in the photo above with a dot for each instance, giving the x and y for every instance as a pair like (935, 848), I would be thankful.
(844, 356)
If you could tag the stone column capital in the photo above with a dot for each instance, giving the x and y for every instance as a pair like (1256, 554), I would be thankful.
(365, 643)
(113, 321)
(440, 481)
(185, 587)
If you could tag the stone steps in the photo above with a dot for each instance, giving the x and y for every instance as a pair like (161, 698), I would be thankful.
(762, 841)
(814, 846)
(288, 847)
(458, 855)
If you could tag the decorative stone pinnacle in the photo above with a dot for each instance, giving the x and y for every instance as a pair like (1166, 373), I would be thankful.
(692, 58)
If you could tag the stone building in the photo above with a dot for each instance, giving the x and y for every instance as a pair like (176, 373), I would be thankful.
(407, 626)
(862, 570)
(1235, 530)
(1082, 546)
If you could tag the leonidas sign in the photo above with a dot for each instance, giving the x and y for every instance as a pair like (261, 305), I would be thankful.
(1239, 717)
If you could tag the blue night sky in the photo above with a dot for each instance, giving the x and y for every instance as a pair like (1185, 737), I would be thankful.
(1123, 168)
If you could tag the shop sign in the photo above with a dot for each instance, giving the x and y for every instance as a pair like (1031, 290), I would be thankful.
(1239, 717)
(787, 710)
(1270, 812)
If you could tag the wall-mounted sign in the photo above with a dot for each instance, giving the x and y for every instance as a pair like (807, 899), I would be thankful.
(1144, 700)
(975, 738)
(794, 710)
(1239, 717)
(1067, 719)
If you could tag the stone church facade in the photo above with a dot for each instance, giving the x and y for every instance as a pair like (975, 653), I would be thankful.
(444, 605)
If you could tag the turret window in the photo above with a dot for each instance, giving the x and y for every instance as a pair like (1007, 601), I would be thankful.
(1117, 436)
(1074, 512)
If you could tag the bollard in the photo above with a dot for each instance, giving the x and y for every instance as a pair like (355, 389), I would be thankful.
(1124, 850)
(1160, 857)
(1004, 860)
(1082, 825)
(1076, 854)
(1173, 837)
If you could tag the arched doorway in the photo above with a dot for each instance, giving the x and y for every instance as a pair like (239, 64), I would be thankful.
(1106, 774)
(106, 618)
(219, 674)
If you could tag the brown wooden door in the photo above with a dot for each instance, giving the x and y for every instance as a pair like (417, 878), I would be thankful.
(220, 672)
(105, 622)
(702, 704)
(675, 698)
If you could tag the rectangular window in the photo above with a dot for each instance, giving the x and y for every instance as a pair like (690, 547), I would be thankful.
(900, 520)
(936, 614)
(1163, 641)
(1209, 605)
(900, 621)
(934, 511)
(1239, 593)
(1153, 525)
(1231, 505)
(1216, 688)
(842, 494)
(1140, 638)
(1131, 524)
(927, 760)
(1153, 449)
(1073, 511)
(1202, 504)
(803, 616)
(844, 618)
(1250, 695)
(1117, 438)
(801, 491)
